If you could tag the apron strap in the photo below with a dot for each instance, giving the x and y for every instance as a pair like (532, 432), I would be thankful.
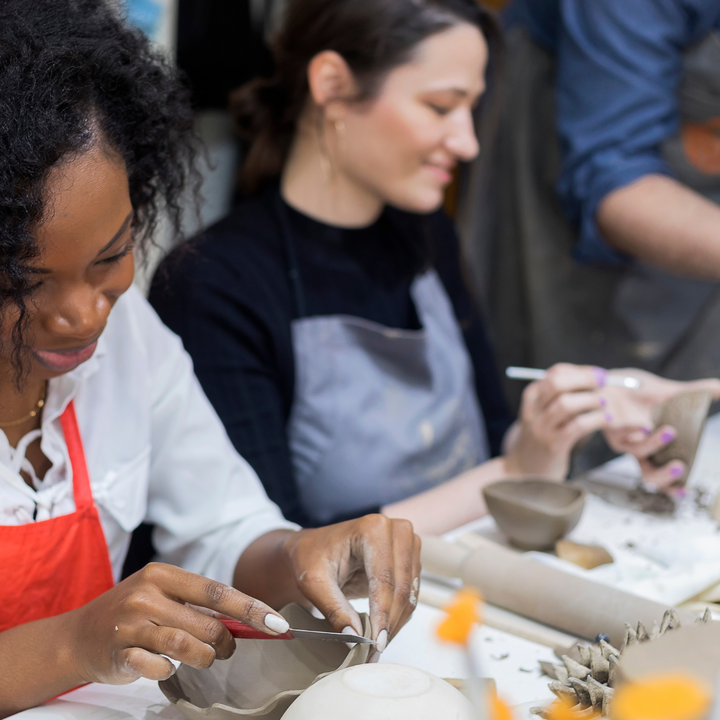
(73, 440)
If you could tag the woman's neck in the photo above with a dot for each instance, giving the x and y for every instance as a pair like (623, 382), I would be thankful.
(313, 184)
(17, 404)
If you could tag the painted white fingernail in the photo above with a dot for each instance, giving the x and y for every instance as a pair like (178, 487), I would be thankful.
(381, 641)
(276, 624)
(375, 657)
(349, 630)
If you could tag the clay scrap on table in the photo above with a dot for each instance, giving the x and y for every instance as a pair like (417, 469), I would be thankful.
(589, 681)
(586, 556)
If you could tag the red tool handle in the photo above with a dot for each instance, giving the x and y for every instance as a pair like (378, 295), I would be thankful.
(243, 630)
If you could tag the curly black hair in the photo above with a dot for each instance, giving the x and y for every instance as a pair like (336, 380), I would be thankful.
(68, 69)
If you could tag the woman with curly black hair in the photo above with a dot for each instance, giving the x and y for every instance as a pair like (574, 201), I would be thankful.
(102, 423)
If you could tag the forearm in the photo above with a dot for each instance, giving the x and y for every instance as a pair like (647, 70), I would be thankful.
(36, 663)
(660, 221)
(451, 504)
(263, 571)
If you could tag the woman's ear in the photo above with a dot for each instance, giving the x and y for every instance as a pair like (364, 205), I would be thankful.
(330, 78)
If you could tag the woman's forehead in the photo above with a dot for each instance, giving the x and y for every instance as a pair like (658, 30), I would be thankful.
(452, 59)
(88, 200)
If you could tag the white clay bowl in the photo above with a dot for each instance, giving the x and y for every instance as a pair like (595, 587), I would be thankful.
(381, 692)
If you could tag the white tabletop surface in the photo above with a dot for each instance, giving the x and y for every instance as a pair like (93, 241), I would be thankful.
(650, 560)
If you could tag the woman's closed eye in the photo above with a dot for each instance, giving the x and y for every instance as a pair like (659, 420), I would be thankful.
(119, 256)
(439, 109)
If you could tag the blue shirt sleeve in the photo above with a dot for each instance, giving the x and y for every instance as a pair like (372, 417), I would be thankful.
(618, 68)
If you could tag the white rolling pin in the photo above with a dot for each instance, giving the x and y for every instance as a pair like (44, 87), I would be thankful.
(570, 603)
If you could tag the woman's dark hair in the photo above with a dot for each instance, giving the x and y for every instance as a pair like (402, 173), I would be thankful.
(373, 36)
(72, 74)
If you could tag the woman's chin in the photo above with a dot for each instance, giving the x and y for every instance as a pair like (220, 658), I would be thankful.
(421, 200)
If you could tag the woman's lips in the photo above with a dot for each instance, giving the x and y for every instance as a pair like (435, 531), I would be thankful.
(63, 361)
(444, 175)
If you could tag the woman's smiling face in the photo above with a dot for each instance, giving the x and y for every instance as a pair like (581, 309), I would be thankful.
(85, 263)
(404, 143)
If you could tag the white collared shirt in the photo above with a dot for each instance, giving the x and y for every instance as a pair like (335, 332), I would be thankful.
(156, 452)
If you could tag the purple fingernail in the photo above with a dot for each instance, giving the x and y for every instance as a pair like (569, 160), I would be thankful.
(600, 376)
(603, 401)
(676, 471)
(667, 436)
(647, 430)
(680, 493)
(608, 417)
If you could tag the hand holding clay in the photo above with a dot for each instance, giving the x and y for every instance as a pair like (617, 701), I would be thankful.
(633, 428)
(373, 557)
(123, 634)
(556, 412)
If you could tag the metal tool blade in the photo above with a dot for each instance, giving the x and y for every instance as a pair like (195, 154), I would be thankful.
(331, 636)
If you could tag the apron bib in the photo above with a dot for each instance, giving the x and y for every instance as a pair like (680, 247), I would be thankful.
(542, 306)
(380, 414)
(51, 567)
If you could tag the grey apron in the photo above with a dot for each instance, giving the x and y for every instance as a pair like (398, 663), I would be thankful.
(542, 307)
(379, 414)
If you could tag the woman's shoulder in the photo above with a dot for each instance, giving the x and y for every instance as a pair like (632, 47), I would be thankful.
(247, 236)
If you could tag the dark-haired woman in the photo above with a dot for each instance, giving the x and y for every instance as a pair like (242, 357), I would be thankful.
(102, 423)
(327, 317)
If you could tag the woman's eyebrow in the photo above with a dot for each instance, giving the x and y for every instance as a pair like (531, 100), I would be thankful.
(115, 238)
(118, 234)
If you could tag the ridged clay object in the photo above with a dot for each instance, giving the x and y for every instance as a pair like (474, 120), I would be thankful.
(586, 556)
(534, 513)
(687, 413)
(590, 682)
(263, 677)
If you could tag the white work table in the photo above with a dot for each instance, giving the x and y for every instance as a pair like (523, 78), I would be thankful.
(670, 559)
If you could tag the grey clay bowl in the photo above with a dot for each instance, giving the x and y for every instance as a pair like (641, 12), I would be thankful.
(534, 513)
(263, 677)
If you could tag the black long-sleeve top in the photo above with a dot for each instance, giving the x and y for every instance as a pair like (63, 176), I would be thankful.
(227, 294)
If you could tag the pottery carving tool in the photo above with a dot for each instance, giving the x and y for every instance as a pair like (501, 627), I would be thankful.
(523, 373)
(524, 586)
(244, 631)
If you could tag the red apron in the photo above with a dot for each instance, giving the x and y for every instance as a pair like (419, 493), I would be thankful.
(57, 565)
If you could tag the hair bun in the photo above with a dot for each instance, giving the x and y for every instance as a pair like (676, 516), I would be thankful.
(258, 106)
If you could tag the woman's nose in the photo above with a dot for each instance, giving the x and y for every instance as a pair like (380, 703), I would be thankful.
(80, 316)
(462, 141)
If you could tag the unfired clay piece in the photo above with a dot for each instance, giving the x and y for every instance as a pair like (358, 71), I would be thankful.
(694, 649)
(534, 514)
(263, 677)
(382, 691)
(589, 679)
(687, 413)
(586, 556)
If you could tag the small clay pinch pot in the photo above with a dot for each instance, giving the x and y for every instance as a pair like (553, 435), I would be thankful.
(534, 513)
(687, 413)
(263, 677)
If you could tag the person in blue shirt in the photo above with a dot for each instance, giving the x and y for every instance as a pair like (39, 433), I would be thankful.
(614, 110)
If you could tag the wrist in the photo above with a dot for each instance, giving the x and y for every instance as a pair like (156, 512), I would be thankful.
(71, 632)
(511, 467)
